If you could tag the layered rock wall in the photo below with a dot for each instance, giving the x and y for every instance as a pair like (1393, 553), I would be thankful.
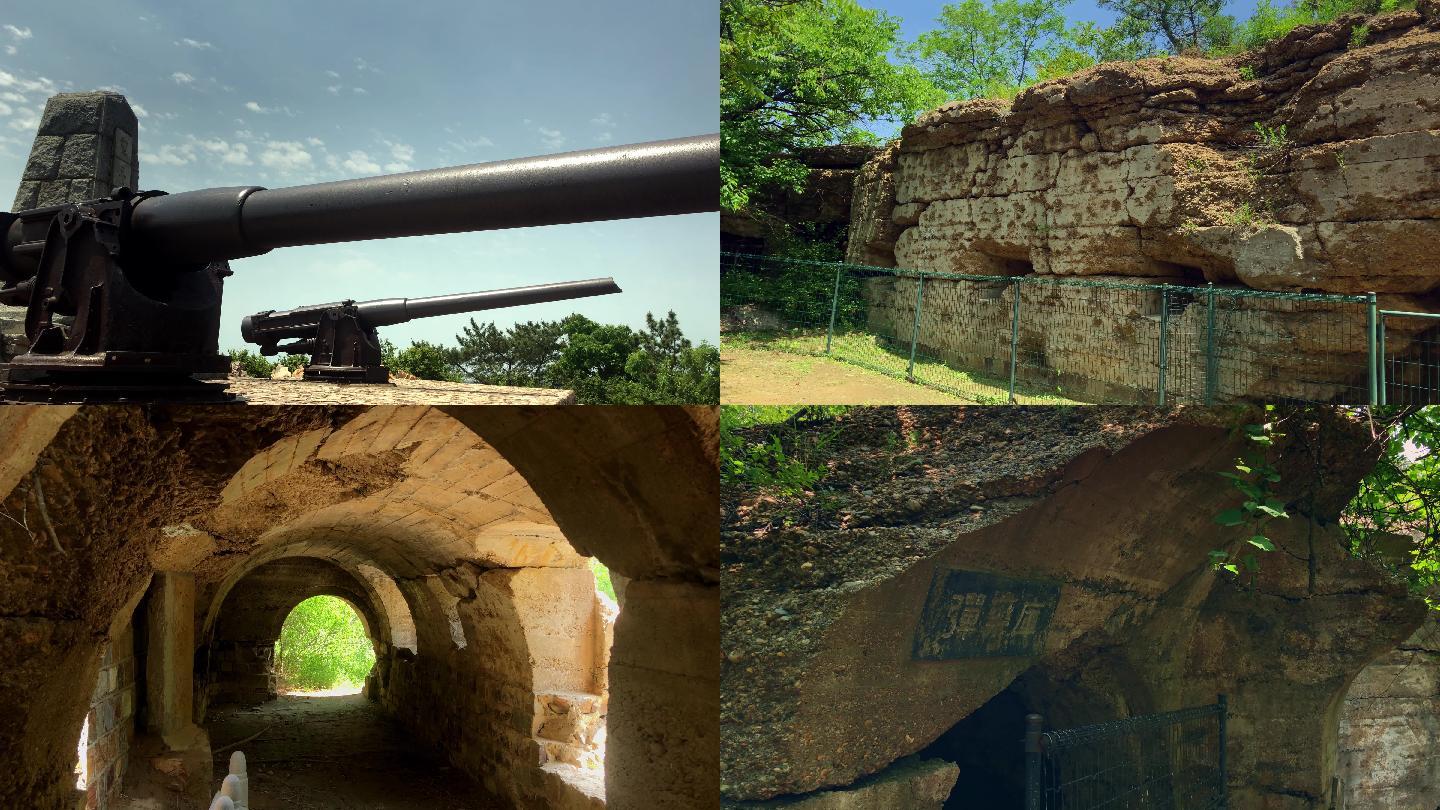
(1310, 165)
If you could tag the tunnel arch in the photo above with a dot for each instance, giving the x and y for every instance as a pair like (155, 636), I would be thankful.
(426, 474)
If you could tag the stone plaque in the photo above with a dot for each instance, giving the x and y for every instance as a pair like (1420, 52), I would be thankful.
(971, 614)
(124, 160)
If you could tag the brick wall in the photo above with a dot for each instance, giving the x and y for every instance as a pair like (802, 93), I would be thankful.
(111, 723)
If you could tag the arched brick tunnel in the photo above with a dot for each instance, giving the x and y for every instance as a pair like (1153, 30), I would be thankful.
(174, 543)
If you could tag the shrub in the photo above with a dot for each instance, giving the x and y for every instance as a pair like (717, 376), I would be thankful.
(323, 645)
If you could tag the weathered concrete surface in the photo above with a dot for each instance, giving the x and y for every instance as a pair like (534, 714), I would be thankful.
(914, 784)
(1153, 171)
(1390, 727)
(844, 636)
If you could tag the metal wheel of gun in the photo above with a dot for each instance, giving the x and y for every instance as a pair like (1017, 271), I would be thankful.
(175, 541)
(122, 293)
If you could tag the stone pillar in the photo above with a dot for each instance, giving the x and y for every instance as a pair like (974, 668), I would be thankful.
(664, 723)
(170, 658)
(85, 147)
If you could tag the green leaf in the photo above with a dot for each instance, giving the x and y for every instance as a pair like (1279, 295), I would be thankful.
(1231, 567)
(1261, 542)
(1231, 517)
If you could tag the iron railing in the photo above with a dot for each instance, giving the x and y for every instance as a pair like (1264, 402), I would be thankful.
(1169, 761)
(1031, 338)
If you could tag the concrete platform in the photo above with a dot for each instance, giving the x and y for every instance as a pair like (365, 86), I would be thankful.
(257, 391)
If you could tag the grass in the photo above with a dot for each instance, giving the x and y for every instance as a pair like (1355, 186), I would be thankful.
(871, 352)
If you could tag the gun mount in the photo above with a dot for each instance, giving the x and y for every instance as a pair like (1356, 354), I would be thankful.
(122, 294)
(341, 338)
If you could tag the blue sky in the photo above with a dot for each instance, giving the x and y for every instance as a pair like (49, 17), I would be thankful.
(277, 93)
(918, 16)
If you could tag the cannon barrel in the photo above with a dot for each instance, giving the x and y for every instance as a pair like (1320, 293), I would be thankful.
(391, 311)
(680, 176)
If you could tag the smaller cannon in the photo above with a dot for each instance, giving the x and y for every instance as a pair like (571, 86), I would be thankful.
(341, 338)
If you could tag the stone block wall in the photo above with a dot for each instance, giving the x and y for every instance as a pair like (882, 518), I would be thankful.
(85, 147)
(111, 723)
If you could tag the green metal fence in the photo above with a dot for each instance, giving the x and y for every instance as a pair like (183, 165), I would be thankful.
(1409, 350)
(1035, 338)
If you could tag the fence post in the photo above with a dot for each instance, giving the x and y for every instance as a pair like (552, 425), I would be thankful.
(915, 331)
(1034, 788)
(1224, 775)
(1014, 335)
(1380, 329)
(1373, 317)
(1210, 370)
(1164, 347)
(834, 306)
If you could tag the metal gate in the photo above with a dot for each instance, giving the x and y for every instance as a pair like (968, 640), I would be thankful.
(1170, 761)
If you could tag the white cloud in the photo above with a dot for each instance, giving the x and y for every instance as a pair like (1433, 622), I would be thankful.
(363, 66)
(140, 112)
(286, 156)
(170, 155)
(604, 123)
(6, 109)
(231, 154)
(17, 33)
(255, 107)
(315, 142)
(39, 85)
(357, 162)
(182, 78)
(360, 91)
(469, 144)
(15, 97)
(11, 50)
(199, 46)
(25, 119)
(334, 89)
(332, 74)
(402, 153)
(552, 138)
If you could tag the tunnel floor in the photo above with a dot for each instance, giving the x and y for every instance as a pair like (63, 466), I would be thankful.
(338, 753)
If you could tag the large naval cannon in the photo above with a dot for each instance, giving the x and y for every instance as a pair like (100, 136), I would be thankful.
(122, 294)
(342, 340)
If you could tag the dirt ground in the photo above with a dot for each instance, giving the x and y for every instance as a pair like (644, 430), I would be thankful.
(338, 753)
(751, 377)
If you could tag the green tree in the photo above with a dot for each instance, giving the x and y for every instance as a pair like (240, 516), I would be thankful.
(1180, 24)
(323, 645)
(982, 50)
(516, 356)
(803, 73)
(428, 361)
(1088, 44)
(1395, 517)
(602, 363)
